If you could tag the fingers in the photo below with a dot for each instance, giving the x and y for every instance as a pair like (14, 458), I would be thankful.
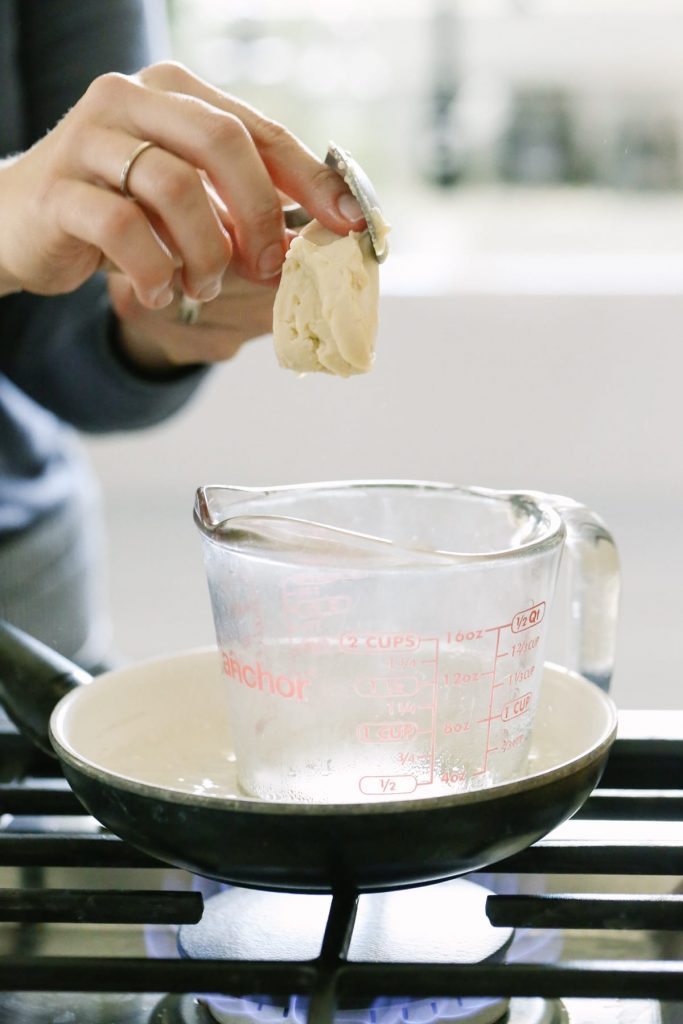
(198, 132)
(173, 194)
(220, 144)
(159, 339)
(246, 156)
(291, 165)
(120, 230)
(215, 141)
(296, 171)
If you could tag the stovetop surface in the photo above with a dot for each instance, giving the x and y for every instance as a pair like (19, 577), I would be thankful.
(76, 905)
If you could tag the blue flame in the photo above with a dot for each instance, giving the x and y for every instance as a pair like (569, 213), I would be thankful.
(232, 1010)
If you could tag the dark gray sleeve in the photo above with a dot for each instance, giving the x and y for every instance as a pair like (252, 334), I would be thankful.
(65, 44)
(62, 351)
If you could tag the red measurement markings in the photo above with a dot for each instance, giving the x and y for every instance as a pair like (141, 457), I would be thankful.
(379, 641)
(399, 708)
(429, 667)
(409, 759)
(318, 606)
(463, 678)
(385, 732)
(519, 676)
(489, 749)
(310, 609)
(387, 785)
(465, 635)
(455, 727)
(525, 646)
(514, 708)
(528, 618)
(387, 686)
(516, 741)
(434, 706)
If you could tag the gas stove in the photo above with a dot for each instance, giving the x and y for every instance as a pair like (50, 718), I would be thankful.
(585, 926)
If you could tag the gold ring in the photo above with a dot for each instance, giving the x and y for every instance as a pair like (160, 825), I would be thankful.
(189, 310)
(126, 169)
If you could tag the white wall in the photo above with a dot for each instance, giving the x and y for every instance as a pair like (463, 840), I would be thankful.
(578, 395)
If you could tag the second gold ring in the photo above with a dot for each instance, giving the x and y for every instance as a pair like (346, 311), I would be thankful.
(189, 310)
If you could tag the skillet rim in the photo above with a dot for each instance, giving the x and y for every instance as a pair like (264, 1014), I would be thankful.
(252, 805)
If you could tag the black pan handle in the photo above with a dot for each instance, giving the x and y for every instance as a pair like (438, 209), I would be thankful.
(33, 678)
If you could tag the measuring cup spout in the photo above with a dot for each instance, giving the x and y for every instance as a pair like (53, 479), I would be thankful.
(214, 504)
(238, 518)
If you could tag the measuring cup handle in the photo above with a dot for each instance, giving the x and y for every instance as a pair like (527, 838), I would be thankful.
(591, 569)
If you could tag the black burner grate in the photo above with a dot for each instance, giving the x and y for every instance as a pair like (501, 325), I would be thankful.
(643, 781)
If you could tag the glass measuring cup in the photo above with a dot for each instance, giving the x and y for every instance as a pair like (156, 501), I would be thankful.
(385, 639)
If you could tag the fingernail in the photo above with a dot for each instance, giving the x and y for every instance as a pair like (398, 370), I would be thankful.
(270, 260)
(349, 207)
(164, 297)
(210, 290)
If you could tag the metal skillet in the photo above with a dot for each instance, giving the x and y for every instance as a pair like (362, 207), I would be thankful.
(146, 749)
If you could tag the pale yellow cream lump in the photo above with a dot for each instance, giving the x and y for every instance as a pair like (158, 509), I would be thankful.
(326, 308)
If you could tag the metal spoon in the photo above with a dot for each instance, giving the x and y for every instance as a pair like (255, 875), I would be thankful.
(297, 216)
(362, 188)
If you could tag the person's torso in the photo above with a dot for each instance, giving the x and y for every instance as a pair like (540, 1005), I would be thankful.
(11, 119)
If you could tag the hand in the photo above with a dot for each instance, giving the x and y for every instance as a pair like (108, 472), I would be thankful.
(156, 340)
(63, 216)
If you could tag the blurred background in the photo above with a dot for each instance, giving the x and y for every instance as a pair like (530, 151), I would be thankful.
(529, 156)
